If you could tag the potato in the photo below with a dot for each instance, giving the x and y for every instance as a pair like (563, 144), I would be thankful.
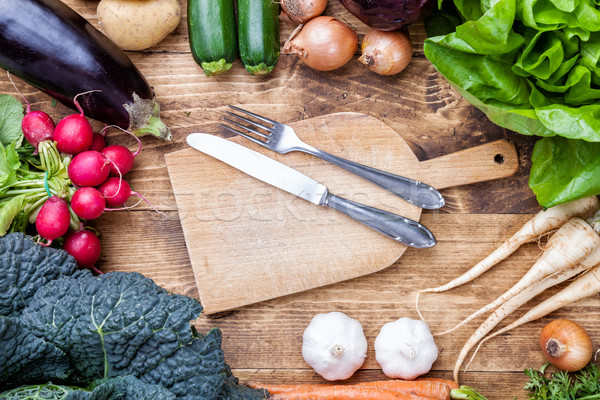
(138, 24)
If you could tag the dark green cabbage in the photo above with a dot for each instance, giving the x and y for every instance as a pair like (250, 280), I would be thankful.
(113, 336)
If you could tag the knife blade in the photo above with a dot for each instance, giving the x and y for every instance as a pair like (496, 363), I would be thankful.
(266, 169)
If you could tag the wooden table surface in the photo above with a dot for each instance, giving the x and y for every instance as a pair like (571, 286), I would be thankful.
(262, 342)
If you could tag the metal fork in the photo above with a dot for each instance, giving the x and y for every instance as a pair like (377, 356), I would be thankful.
(282, 139)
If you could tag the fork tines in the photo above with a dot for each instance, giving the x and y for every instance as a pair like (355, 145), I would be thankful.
(249, 125)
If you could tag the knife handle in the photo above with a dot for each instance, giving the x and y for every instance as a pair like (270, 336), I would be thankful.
(399, 228)
(411, 190)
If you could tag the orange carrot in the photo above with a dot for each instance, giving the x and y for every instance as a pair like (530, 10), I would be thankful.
(452, 384)
(344, 392)
(424, 388)
(274, 389)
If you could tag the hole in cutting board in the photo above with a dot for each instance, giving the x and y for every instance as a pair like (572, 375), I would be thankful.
(499, 159)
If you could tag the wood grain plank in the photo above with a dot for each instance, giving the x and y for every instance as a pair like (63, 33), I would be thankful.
(214, 197)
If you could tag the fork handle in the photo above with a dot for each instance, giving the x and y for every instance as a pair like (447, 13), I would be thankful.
(413, 191)
(399, 228)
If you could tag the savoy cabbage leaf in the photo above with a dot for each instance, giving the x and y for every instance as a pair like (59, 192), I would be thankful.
(120, 388)
(71, 328)
(26, 267)
(126, 325)
(232, 390)
(47, 391)
(27, 358)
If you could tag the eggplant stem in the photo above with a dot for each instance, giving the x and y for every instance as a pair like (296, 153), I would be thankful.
(145, 115)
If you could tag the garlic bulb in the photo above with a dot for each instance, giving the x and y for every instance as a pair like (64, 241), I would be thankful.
(405, 349)
(334, 345)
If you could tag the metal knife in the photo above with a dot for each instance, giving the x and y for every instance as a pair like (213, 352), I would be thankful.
(266, 169)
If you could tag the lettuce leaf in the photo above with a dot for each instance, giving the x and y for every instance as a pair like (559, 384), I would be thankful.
(9, 164)
(8, 212)
(564, 169)
(533, 66)
(11, 115)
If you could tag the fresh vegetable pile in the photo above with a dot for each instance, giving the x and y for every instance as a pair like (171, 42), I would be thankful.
(113, 336)
(59, 177)
(321, 42)
(83, 60)
(532, 67)
(325, 43)
(573, 250)
(216, 36)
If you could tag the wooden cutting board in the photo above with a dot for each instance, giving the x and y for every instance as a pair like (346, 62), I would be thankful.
(250, 242)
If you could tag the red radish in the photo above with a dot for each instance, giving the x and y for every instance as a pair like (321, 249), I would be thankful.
(73, 133)
(37, 126)
(116, 192)
(53, 219)
(121, 157)
(84, 246)
(89, 168)
(98, 142)
(88, 203)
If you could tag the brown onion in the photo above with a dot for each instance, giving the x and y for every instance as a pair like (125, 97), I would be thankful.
(301, 11)
(566, 345)
(323, 43)
(386, 53)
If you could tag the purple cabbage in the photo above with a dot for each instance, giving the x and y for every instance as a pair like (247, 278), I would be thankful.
(385, 15)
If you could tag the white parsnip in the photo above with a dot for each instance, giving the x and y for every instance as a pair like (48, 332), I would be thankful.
(586, 285)
(570, 245)
(517, 301)
(542, 222)
(510, 306)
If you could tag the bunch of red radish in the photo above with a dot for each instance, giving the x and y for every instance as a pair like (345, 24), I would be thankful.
(96, 171)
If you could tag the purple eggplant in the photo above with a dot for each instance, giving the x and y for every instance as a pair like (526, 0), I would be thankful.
(50, 46)
(385, 15)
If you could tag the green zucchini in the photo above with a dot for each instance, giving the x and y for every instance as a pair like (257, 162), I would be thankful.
(258, 35)
(213, 37)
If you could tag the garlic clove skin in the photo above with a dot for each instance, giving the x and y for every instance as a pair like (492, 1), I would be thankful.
(334, 345)
(405, 349)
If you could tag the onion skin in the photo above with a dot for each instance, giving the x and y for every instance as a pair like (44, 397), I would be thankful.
(566, 345)
(323, 43)
(301, 11)
(386, 53)
(385, 15)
